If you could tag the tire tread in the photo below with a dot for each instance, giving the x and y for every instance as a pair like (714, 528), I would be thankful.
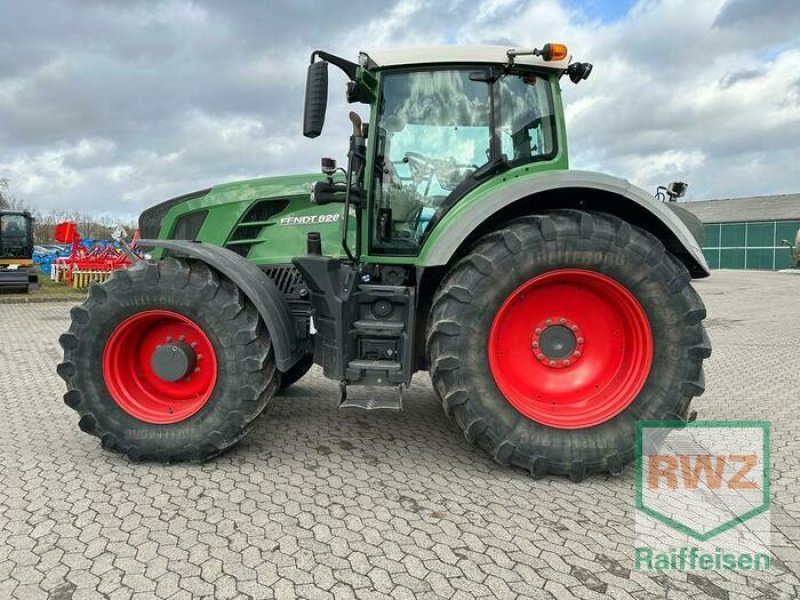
(455, 295)
(247, 340)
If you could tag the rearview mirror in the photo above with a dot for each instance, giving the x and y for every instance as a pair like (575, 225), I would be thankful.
(677, 189)
(316, 98)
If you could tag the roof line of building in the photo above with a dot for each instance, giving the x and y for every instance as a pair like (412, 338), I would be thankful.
(780, 207)
(790, 195)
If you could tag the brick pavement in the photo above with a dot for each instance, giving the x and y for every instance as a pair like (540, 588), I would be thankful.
(322, 503)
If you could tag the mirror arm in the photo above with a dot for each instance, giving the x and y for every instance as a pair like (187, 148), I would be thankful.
(349, 68)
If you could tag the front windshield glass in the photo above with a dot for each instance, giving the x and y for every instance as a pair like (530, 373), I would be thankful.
(434, 132)
(435, 129)
(13, 235)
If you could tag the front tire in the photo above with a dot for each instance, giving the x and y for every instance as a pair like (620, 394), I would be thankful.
(556, 334)
(168, 362)
(297, 371)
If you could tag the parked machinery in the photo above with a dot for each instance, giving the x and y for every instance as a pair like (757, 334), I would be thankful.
(17, 271)
(87, 262)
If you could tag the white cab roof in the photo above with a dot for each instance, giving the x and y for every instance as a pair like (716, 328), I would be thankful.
(395, 57)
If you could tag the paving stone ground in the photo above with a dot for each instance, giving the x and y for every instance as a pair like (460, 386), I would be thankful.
(322, 503)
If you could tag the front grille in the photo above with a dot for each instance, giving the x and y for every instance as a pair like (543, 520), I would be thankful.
(287, 279)
(291, 284)
(264, 210)
(151, 219)
(248, 231)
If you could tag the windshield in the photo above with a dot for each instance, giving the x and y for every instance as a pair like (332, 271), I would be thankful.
(435, 129)
(13, 236)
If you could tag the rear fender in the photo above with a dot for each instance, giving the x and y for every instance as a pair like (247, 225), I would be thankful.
(561, 189)
(255, 284)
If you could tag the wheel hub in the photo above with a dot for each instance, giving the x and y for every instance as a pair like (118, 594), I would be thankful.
(557, 342)
(159, 366)
(174, 361)
(537, 353)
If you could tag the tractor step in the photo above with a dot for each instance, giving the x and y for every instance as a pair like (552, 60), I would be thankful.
(375, 365)
(372, 326)
(370, 397)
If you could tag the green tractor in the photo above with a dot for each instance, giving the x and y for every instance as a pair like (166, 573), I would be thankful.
(552, 308)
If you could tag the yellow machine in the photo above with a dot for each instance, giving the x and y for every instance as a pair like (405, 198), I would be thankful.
(17, 270)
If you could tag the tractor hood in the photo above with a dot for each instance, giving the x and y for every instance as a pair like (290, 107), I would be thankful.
(265, 220)
(153, 220)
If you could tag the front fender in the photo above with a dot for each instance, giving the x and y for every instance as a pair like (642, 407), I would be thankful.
(255, 284)
(617, 196)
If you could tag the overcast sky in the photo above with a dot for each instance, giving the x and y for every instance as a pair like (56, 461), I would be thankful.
(113, 106)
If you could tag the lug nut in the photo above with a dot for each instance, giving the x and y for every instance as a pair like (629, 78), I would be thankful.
(574, 328)
(548, 322)
(193, 345)
(535, 344)
(562, 321)
(540, 356)
(577, 354)
(199, 357)
(538, 331)
(567, 363)
(552, 363)
(182, 338)
(579, 340)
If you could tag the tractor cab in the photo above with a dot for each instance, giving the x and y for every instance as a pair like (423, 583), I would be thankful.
(441, 133)
(16, 250)
(442, 126)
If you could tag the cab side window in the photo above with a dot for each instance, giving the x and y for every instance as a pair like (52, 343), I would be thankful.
(526, 123)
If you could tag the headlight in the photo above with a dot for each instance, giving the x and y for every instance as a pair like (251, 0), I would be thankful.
(188, 226)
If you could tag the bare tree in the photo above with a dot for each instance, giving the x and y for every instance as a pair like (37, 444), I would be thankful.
(9, 202)
(15, 203)
(89, 226)
(3, 193)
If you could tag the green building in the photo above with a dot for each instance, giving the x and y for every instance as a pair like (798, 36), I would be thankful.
(748, 233)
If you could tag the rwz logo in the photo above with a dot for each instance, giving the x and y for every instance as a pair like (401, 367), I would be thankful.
(703, 478)
(690, 471)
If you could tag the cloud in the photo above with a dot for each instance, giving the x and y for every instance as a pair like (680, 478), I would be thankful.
(135, 102)
(747, 13)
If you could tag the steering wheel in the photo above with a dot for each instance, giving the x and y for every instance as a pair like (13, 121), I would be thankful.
(422, 167)
(418, 159)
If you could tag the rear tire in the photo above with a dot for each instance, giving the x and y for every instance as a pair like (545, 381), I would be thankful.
(120, 400)
(583, 272)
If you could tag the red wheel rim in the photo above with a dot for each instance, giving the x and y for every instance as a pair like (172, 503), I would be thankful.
(570, 348)
(132, 381)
